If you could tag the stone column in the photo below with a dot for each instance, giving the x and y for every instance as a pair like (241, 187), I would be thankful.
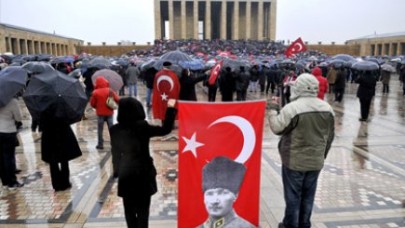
(248, 20)
(383, 49)
(260, 21)
(195, 19)
(26, 46)
(235, 20)
(207, 31)
(3, 45)
(273, 16)
(171, 20)
(10, 47)
(223, 20)
(158, 20)
(183, 20)
(399, 50)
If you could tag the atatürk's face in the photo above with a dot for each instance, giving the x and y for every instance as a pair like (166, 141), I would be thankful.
(219, 201)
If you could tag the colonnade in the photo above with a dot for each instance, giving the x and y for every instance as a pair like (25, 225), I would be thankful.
(215, 19)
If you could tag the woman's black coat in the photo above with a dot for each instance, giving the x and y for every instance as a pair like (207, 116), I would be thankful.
(130, 139)
(367, 82)
(58, 142)
(187, 87)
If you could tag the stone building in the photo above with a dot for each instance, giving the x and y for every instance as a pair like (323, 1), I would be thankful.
(215, 19)
(19, 40)
(391, 44)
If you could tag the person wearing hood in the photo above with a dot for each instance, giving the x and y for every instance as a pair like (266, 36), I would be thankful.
(98, 101)
(132, 161)
(323, 82)
(306, 126)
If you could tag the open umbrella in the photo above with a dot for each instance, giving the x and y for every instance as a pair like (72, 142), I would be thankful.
(99, 62)
(113, 78)
(37, 67)
(344, 57)
(366, 66)
(12, 80)
(147, 65)
(388, 67)
(175, 57)
(194, 64)
(56, 89)
(337, 63)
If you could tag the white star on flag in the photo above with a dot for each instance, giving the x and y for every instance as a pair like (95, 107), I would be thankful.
(192, 144)
(164, 96)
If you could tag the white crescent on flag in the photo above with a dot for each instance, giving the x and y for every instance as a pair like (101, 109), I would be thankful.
(297, 47)
(165, 78)
(249, 136)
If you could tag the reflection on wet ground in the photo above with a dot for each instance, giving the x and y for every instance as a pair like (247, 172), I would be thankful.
(362, 184)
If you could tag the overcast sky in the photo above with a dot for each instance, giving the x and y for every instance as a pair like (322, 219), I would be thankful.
(113, 21)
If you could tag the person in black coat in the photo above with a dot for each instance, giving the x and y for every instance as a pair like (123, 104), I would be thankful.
(58, 146)
(149, 77)
(367, 81)
(132, 160)
(241, 84)
(227, 84)
(187, 85)
(340, 84)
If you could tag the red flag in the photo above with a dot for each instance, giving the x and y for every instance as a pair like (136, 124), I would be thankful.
(215, 72)
(166, 85)
(208, 131)
(296, 47)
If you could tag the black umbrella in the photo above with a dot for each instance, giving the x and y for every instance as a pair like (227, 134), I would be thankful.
(337, 63)
(344, 57)
(372, 59)
(99, 62)
(59, 91)
(147, 65)
(234, 64)
(37, 67)
(365, 66)
(175, 57)
(12, 80)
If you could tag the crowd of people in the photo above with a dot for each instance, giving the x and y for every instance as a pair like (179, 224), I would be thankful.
(297, 91)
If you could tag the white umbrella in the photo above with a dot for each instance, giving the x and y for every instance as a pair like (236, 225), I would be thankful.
(388, 67)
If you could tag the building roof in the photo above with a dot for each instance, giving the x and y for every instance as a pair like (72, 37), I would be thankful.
(36, 31)
(383, 35)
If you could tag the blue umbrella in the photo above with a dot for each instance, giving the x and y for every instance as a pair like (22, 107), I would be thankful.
(192, 65)
(365, 66)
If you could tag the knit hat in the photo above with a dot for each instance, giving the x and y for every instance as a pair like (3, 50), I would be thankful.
(222, 172)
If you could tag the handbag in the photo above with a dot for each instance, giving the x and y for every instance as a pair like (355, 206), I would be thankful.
(111, 102)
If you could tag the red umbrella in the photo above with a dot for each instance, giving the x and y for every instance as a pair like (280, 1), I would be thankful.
(113, 78)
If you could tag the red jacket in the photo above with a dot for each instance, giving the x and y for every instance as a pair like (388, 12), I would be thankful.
(99, 97)
(323, 82)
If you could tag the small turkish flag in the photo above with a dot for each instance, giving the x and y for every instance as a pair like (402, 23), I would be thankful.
(296, 47)
(215, 72)
(211, 130)
(166, 86)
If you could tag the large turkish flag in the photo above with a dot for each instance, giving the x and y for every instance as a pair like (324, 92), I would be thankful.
(166, 85)
(296, 47)
(208, 130)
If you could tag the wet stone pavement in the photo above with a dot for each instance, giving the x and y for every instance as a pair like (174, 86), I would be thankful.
(361, 185)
